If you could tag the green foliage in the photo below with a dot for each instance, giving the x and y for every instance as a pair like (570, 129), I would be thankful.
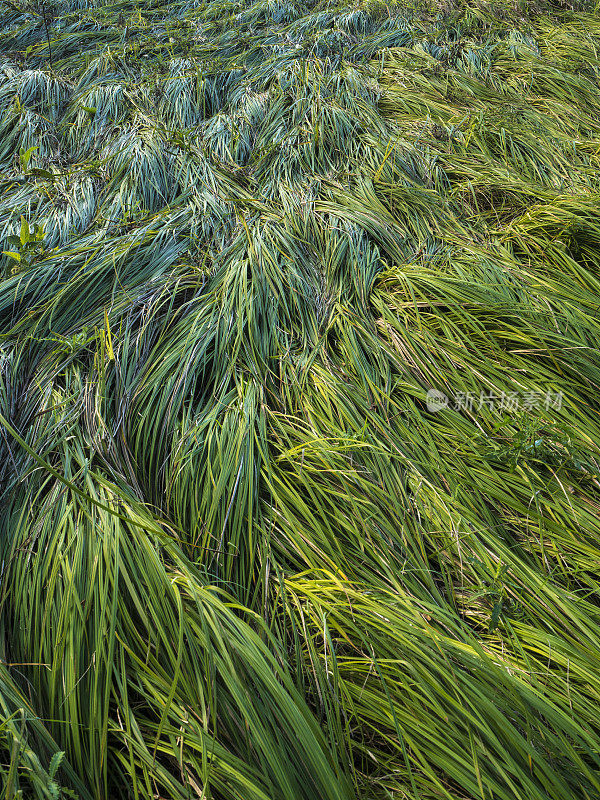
(28, 245)
(242, 557)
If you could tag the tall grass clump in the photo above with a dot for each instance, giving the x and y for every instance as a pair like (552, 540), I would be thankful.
(299, 374)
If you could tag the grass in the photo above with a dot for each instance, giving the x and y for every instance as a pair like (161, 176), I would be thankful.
(243, 556)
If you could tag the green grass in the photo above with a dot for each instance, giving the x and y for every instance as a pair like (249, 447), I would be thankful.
(241, 556)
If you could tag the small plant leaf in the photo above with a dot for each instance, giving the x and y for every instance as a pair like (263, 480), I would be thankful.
(55, 762)
(25, 234)
(42, 173)
(25, 156)
(495, 618)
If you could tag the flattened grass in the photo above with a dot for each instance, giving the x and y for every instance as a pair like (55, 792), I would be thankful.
(241, 557)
